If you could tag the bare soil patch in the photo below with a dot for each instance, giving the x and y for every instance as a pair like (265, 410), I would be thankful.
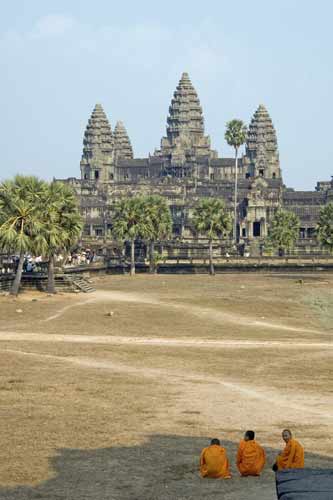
(118, 406)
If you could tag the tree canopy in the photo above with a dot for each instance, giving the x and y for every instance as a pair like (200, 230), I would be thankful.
(324, 228)
(130, 222)
(37, 218)
(61, 224)
(235, 133)
(160, 220)
(284, 230)
(211, 219)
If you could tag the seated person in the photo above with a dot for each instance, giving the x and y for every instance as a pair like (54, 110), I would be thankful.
(214, 461)
(292, 457)
(251, 456)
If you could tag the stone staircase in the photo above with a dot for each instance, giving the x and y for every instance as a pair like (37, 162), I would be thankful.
(82, 284)
(63, 283)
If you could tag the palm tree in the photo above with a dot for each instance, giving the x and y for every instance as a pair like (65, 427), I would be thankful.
(159, 216)
(235, 136)
(284, 230)
(211, 218)
(20, 218)
(324, 228)
(62, 225)
(130, 223)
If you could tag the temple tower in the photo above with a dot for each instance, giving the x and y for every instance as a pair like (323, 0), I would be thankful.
(97, 158)
(122, 144)
(185, 138)
(261, 146)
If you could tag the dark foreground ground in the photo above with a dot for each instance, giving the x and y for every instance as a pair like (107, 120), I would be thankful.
(164, 468)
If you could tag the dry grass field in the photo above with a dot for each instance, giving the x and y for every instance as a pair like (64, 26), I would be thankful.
(112, 395)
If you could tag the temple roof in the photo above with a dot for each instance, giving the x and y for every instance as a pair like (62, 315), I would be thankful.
(122, 144)
(98, 136)
(185, 112)
(261, 138)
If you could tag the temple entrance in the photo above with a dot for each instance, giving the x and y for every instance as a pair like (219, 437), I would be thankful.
(256, 229)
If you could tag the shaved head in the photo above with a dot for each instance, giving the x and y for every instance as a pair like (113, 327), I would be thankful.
(215, 441)
(286, 435)
(249, 436)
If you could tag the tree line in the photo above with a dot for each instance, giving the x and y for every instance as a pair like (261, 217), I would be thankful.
(44, 219)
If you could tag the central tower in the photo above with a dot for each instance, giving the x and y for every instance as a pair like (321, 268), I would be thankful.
(185, 140)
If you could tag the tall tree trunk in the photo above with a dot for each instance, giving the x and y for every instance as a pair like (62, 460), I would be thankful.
(235, 196)
(211, 265)
(17, 281)
(151, 257)
(50, 276)
(132, 258)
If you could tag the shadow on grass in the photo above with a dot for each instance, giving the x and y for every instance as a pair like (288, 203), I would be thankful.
(162, 468)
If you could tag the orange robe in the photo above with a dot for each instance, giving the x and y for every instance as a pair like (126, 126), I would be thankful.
(214, 462)
(251, 458)
(292, 456)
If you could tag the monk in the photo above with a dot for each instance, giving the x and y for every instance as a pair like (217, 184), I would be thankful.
(251, 456)
(292, 457)
(214, 461)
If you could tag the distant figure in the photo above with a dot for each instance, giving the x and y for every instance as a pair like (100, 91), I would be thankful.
(292, 457)
(214, 461)
(251, 456)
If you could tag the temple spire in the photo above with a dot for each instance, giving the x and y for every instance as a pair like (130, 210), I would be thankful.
(185, 126)
(261, 146)
(185, 112)
(122, 145)
(97, 146)
(98, 135)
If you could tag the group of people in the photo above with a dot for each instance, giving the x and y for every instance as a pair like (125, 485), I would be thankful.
(251, 457)
(78, 258)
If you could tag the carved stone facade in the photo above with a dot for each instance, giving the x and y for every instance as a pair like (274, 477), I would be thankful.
(185, 168)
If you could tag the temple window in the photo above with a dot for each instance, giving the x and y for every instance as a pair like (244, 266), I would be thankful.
(244, 232)
(211, 177)
(96, 174)
(247, 175)
(86, 176)
(261, 172)
(274, 175)
(111, 177)
(302, 232)
(126, 177)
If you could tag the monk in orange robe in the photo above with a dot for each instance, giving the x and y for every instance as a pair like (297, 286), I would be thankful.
(214, 461)
(251, 456)
(292, 457)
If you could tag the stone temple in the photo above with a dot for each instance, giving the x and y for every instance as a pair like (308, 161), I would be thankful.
(185, 168)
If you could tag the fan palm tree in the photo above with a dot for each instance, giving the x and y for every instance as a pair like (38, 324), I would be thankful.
(20, 218)
(324, 228)
(131, 223)
(235, 136)
(62, 225)
(211, 218)
(159, 216)
(284, 230)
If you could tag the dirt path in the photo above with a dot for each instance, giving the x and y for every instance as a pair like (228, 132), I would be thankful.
(168, 342)
(180, 377)
(202, 312)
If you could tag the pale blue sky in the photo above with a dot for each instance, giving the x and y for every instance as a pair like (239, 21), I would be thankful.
(58, 58)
